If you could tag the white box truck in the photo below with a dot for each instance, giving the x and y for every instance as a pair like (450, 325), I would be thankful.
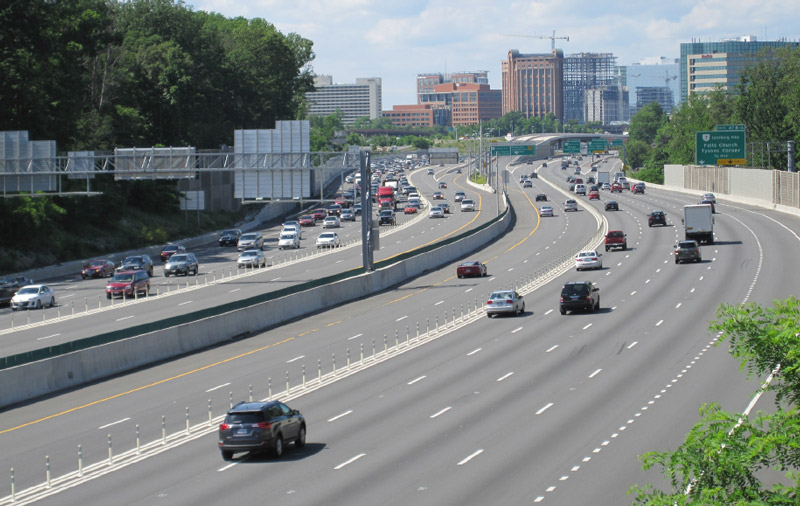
(603, 177)
(698, 222)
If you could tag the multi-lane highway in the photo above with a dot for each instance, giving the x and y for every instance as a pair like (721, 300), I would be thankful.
(541, 408)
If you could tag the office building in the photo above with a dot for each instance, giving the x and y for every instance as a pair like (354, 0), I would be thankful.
(646, 95)
(457, 103)
(606, 105)
(582, 72)
(657, 77)
(533, 83)
(427, 82)
(363, 98)
(707, 65)
(414, 115)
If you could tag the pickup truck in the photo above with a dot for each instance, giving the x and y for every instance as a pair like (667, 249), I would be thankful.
(616, 239)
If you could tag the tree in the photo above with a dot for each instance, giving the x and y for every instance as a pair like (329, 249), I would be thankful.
(646, 122)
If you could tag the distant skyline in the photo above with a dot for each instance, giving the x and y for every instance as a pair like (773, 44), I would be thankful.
(398, 40)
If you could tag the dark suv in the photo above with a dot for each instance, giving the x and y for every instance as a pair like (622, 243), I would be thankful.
(386, 217)
(261, 426)
(686, 251)
(137, 263)
(181, 263)
(579, 295)
(229, 237)
(657, 218)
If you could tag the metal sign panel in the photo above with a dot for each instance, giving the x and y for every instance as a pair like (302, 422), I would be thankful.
(154, 163)
(597, 146)
(255, 184)
(728, 128)
(193, 201)
(572, 146)
(725, 147)
(513, 150)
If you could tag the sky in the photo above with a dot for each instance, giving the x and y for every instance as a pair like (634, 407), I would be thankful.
(396, 40)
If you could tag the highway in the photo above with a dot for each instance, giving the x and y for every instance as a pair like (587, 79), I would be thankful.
(541, 408)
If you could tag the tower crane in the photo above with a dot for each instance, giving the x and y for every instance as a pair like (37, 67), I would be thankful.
(551, 37)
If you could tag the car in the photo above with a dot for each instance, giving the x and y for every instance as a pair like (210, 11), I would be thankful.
(445, 207)
(430, 171)
(579, 295)
(710, 196)
(605, 186)
(415, 201)
(410, 209)
(33, 297)
(616, 239)
(349, 178)
(590, 180)
(319, 214)
(287, 239)
(259, 427)
(129, 284)
(594, 195)
(570, 179)
(387, 217)
(294, 228)
(504, 302)
(438, 196)
(533, 175)
(577, 170)
(169, 250)
(229, 237)
(541, 197)
(710, 203)
(250, 240)
(572, 187)
(616, 187)
(98, 268)
(625, 184)
(348, 215)
(442, 185)
(459, 196)
(307, 221)
(570, 205)
(137, 262)
(657, 218)
(638, 188)
(436, 212)
(470, 269)
(527, 184)
(331, 222)
(544, 165)
(546, 211)
(357, 209)
(580, 189)
(251, 258)
(334, 210)
(686, 251)
(328, 240)
(182, 263)
(589, 259)
(467, 205)
(612, 205)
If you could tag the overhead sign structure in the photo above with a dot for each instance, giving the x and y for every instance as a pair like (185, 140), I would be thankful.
(597, 146)
(616, 142)
(572, 146)
(514, 150)
(726, 147)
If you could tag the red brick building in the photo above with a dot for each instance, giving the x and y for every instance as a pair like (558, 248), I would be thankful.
(451, 104)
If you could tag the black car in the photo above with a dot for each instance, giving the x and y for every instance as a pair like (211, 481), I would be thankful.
(10, 286)
(260, 426)
(657, 218)
(541, 197)
(612, 205)
(136, 263)
(638, 188)
(230, 237)
(579, 295)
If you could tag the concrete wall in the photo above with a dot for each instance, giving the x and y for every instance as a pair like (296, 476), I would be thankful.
(752, 183)
(52, 375)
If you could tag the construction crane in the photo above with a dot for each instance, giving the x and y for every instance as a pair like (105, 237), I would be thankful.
(551, 37)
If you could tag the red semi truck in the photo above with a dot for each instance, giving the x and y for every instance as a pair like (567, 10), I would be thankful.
(386, 197)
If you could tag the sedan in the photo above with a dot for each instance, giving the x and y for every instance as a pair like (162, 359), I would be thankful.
(170, 249)
(612, 205)
(436, 212)
(251, 258)
(328, 240)
(546, 211)
(331, 222)
(250, 241)
(442, 185)
(33, 297)
(527, 184)
(541, 197)
(594, 195)
(606, 186)
(459, 196)
(410, 209)
(445, 207)
(467, 205)
(504, 302)
(710, 196)
(319, 214)
(10, 286)
(588, 260)
(471, 269)
(438, 196)
(98, 269)
(307, 221)
(348, 215)
(287, 239)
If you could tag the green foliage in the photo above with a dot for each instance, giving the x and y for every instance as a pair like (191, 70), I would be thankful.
(646, 122)
(478, 178)
(636, 152)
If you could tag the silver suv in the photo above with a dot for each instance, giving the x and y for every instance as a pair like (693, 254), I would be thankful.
(181, 263)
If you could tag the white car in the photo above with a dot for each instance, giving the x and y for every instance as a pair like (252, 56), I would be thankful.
(293, 227)
(251, 258)
(589, 259)
(413, 195)
(33, 297)
(606, 186)
(570, 205)
(459, 196)
(288, 240)
(467, 205)
(436, 212)
(546, 211)
(331, 222)
(328, 240)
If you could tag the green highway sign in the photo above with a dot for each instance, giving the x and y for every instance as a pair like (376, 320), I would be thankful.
(596, 145)
(514, 150)
(572, 146)
(616, 142)
(726, 147)
(728, 128)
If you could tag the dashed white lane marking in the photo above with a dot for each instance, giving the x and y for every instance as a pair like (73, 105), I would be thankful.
(124, 318)
(501, 378)
(658, 324)
(349, 461)
(587, 326)
(467, 459)
(234, 290)
(491, 279)
(440, 302)
(548, 312)
(401, 318)
(548, 350)
(468, 290)
(516, 330)
(276, 279)
(47, 337)
(354, 337)
(225, 468)
(67, 296)
(632, 344)
(691, 291)
(295, 359)
(217, 387)
(441, 412)
(633, 292)
(416, 380)
(340, 416)
(646, 281)
(476, 350)
(544, 408)
(678, 305)
(186, 302)
(701, 278)
(595, 373)
(113, 423)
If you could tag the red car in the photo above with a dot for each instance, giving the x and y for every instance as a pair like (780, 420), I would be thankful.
(98, 269)
(594, 195)
(170, 249)
(471, 269)
(616, 187)
(319, 214)
(128, 284)
(410, 209)
(307, 220)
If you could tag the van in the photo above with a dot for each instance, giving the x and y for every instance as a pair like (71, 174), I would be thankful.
(580, 189)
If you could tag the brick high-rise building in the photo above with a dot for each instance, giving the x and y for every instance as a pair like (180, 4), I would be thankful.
(533, 83)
